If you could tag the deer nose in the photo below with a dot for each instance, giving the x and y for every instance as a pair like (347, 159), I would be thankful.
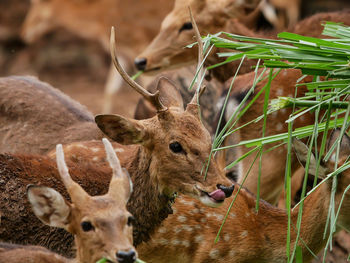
(227, 190)
(140, 63)
(126, 256)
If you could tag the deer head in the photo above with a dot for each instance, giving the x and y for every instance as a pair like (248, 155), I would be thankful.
(167, 50)
(102, 226)
(175, 143)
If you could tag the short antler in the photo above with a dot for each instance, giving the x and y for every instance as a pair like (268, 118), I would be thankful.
(199, 89)
(112, 158)
(152, 98)
(74, 190)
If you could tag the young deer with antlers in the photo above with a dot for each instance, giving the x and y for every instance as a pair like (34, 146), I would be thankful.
(101, 225)
(171, 151)
(249, 236)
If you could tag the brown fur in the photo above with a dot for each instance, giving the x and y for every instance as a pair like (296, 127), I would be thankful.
(166, 50)
(247, 236)
(136, 26)
(272, 176)
(29, 107)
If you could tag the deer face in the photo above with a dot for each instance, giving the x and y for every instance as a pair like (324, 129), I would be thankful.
(177, 146)
(167, 50)
(101, 224)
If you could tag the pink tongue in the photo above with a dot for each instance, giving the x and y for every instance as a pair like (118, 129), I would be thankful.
(218, 195)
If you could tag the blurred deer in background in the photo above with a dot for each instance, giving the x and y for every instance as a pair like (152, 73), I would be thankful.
(138, 22)
(167, 51)
(249, 236)
(101, 225)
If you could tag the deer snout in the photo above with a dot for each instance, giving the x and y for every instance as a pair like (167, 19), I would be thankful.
(227, 190)
(126, 256)
(140, 63)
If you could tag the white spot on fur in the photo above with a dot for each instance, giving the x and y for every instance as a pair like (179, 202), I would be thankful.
(279, 127)
(279, 92)
(302, 118)
(226, 237)
(182, 219)
(174, 210)
(203, 220)
(232, 215)
(185, 243)
(231, 254)
(187, 228)
(162, 230)
(214, 253)
(244, 233)
(197, 227)
(177, 229)
(118, 150)
(95, 150)
(175, 242)
(95, 159)
(198, 239)
(247, 214)
(195, 211)
(163, 241)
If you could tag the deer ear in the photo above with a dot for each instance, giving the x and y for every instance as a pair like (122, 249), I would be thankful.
(344, 150)
(241, 8)
(122, 130)
(49, 206)
(301, 151)
(169, 95)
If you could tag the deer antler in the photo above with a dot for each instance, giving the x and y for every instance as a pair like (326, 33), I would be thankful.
(199, 90)
(152, 98)
(74, 190)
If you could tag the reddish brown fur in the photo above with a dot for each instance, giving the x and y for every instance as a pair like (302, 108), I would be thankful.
(247, 236)
(213, 22)
(29, 107)
(137, 22)
(273, 176)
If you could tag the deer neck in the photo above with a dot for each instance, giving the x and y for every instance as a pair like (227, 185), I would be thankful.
(147, 204)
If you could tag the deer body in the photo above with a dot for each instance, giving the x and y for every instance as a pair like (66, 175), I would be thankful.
(247, 236)
(101, 224)
(30, 107)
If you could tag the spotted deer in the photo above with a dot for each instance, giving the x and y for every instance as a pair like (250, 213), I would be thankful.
(249, 236)
(167, 51)
(92, 20)
(164, 155)
(101, 225)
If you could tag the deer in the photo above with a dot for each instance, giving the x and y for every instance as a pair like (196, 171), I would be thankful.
(164, 155)
(92, 20)
(249, 235)
(166, 51)
(101, 225)
(272, 181)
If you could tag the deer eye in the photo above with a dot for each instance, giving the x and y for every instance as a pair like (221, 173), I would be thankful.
(87, 226)
(186, 26)
(131, 220)
(176, 147)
